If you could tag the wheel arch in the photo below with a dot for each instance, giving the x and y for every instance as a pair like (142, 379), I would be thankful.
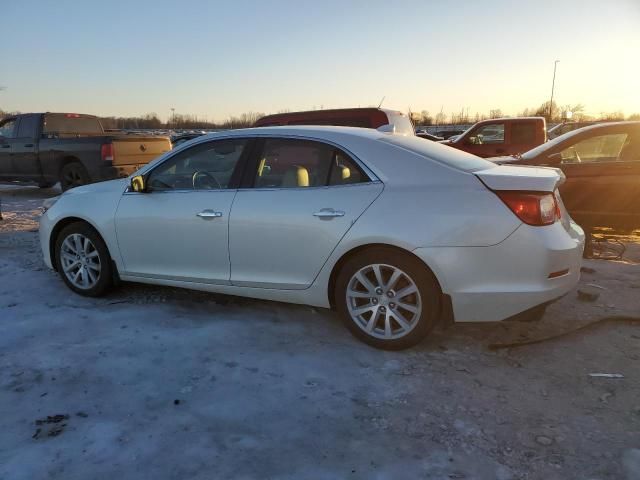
(360, 248)
(67, 159)
(62, 223)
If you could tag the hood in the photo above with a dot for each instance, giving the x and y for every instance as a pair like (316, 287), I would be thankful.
(117, 185)
(524, 178)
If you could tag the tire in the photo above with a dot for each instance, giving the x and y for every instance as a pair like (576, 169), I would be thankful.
(73, 175)
(99, 280)
(419, 311)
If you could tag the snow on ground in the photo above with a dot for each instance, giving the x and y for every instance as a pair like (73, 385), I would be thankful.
(165, 383)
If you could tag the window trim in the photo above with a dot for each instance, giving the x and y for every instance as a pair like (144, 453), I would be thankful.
(251, 167)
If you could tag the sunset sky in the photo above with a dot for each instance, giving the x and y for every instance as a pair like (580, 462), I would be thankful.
(217, 59)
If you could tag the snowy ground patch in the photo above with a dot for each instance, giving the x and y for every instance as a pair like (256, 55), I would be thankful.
(153, 382)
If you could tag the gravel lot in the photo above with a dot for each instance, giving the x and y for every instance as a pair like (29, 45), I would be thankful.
(171, 384)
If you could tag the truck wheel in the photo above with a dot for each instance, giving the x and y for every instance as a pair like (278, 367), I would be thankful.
(73, 175)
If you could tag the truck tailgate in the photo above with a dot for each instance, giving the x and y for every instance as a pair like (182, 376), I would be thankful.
(132, 152)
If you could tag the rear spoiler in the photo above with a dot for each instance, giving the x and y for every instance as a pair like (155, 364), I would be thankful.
(522, 178)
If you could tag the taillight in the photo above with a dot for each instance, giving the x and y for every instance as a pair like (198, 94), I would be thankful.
(106, 152)
(532, 208)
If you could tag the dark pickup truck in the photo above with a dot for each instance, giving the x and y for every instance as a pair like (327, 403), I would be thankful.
(70, 148)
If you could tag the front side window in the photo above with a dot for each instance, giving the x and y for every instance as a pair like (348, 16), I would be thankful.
(7, 128)
(488, 134)
(288, 163)
(603, 148)
(207, 166)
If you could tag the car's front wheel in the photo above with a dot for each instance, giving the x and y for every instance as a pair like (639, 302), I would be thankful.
(386, 298)
(83, 260)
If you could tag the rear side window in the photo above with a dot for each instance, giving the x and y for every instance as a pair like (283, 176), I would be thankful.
(7, 128)
(523, 132)
(289, 163)
(71, 124)
(28, 126)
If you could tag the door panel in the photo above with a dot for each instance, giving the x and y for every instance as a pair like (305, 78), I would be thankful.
(603, 194)
(276, 241)
(603, 180)
(161, 235)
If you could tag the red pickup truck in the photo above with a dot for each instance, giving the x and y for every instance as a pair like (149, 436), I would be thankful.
(502, 136)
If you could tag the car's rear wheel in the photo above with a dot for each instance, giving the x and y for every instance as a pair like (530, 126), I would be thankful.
(83, 261)
(387, 299)
(73, 175)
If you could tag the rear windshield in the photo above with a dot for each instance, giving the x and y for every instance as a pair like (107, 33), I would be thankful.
(69, 123)
(440, 153)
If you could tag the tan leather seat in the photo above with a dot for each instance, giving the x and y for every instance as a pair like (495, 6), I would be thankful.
(296, 176)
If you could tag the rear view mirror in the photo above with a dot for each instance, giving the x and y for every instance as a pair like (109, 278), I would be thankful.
(137, 184)
(554, 159)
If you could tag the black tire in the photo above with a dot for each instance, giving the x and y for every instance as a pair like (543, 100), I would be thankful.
(105, 277)
(422, 277)
(73, 174)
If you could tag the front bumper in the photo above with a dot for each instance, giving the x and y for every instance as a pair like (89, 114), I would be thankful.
(497, 282)
(44, 232)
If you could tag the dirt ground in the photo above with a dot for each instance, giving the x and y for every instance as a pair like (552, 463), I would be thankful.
(163, 383)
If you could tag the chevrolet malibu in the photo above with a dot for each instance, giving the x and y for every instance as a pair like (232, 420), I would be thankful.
(393, 232)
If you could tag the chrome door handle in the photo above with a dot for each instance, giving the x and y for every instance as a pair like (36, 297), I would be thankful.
(207, 214)
(329, 213)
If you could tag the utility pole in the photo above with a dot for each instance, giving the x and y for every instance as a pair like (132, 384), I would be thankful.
(173, 117)
(553, 84)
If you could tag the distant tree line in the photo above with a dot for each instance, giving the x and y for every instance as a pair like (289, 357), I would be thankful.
(179, 121)
(575, 113)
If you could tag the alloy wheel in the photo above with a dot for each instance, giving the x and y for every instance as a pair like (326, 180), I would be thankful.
(383, 301)
(80, 261)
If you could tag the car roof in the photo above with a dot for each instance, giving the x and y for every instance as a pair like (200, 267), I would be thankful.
(321, 131)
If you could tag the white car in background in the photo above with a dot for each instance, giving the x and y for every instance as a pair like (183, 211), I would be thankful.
(391, 231)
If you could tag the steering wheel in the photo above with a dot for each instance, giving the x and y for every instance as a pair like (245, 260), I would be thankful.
(204, 180)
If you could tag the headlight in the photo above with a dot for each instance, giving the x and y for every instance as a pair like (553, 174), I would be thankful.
(49, 202)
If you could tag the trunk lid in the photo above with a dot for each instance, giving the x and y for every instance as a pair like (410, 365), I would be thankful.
(522, 178)
(135, 151)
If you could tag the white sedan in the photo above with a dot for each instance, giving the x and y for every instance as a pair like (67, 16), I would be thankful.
(393, 232)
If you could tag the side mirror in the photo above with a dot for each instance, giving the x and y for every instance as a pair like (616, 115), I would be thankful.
(554, 159)
(137, 184)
